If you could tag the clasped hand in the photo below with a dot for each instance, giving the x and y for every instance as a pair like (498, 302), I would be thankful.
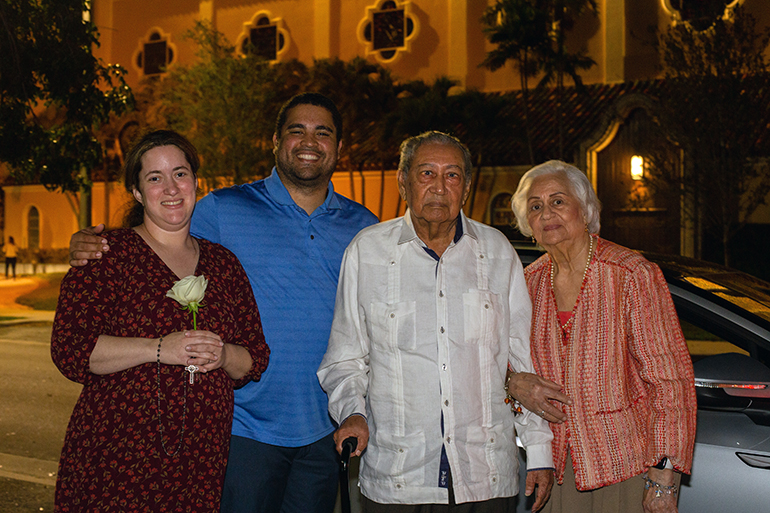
(201, 348)
(537, 394)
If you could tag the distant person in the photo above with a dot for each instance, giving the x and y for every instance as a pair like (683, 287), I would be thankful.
(11, 251)
(289, 231)
(604, 330)
(151, 429)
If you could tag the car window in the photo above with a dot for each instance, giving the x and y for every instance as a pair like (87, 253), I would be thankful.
(701, 342)
(709, 333)
(739, 290)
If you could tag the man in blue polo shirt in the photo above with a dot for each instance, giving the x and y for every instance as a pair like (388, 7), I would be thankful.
(289, 232)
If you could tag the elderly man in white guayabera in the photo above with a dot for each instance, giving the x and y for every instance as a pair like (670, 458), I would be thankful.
(432, 310)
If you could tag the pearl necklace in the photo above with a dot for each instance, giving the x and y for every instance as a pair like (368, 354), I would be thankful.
(582, 283)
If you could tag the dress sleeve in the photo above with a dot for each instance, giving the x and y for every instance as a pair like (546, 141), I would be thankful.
(343, 373)
(533, 430)
(87, 302)
(248, 327)
(658, 346)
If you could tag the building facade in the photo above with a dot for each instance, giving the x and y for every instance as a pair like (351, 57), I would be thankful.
(415, 39)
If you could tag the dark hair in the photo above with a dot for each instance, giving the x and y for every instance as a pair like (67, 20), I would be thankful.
(316, 99)
(410, 146)
(10, 240)
(133, 165)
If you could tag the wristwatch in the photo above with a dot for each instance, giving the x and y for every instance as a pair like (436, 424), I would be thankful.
(663, 464)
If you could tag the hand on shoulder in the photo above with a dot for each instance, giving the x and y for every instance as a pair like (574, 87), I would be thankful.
(87, 244)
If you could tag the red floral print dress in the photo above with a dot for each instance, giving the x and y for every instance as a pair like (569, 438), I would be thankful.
(113, 459)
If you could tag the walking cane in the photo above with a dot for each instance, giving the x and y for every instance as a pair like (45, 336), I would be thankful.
(348, 447)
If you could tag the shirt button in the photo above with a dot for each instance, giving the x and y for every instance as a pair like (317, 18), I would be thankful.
(446, 403)
(443, 366)
(481, 256)
(449, 439)
(494, 479)
(398, 486)
(442, 329)
(486, 306)
(392, 262)
(392, 316)
(312, 237)
(441, 293)
(400, 450)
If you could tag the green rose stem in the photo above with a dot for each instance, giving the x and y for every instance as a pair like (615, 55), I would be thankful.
(193, 307)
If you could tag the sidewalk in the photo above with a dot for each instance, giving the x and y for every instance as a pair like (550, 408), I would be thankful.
(10, 290)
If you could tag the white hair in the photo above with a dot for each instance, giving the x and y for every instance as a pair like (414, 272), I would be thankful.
(576, 180)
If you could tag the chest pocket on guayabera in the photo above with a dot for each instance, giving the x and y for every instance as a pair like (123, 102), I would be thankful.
(393, 325)
(482, 312)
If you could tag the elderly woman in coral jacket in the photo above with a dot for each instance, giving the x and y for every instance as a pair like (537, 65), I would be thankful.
(605, 331)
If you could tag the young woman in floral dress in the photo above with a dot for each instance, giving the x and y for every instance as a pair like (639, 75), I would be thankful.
(151, 428)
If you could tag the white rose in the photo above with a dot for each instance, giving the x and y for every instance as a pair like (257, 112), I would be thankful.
(189, 291)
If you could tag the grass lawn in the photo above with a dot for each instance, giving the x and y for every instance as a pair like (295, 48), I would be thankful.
(46, 296)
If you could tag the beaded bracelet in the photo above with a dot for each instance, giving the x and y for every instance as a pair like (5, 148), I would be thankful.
(509, 399)
(660, 490)
(157, 357)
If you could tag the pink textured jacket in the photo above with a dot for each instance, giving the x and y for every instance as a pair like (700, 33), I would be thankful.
(625, 365)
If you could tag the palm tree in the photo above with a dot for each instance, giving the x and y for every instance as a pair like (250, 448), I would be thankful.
(532, 34)
(365, 93)
(520, 31)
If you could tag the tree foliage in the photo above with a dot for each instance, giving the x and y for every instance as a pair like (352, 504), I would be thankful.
(532, 34)
(365, 93)
(226, 105)
(54, 94)
(715, 107)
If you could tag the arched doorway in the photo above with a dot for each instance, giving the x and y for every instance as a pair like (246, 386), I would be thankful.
(641, 211)
(638, 211)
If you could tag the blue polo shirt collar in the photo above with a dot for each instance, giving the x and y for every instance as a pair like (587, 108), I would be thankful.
(281, 195)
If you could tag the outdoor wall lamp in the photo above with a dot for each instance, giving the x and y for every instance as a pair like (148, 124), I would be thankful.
(637, 167)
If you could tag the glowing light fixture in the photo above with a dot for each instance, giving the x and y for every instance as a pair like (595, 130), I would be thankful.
(637, 167)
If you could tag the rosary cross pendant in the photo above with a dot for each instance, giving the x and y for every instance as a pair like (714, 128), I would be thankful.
(192, 369)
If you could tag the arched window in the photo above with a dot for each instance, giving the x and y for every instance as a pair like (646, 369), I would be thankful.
(264, 36)
(33, 228)
(155, 53)
(700, 14)
(388, 29)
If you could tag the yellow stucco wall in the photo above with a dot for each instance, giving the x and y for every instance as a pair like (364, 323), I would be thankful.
(449, 40)
(58, 220)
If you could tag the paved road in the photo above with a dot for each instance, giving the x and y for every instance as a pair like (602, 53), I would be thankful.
(35, 404)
